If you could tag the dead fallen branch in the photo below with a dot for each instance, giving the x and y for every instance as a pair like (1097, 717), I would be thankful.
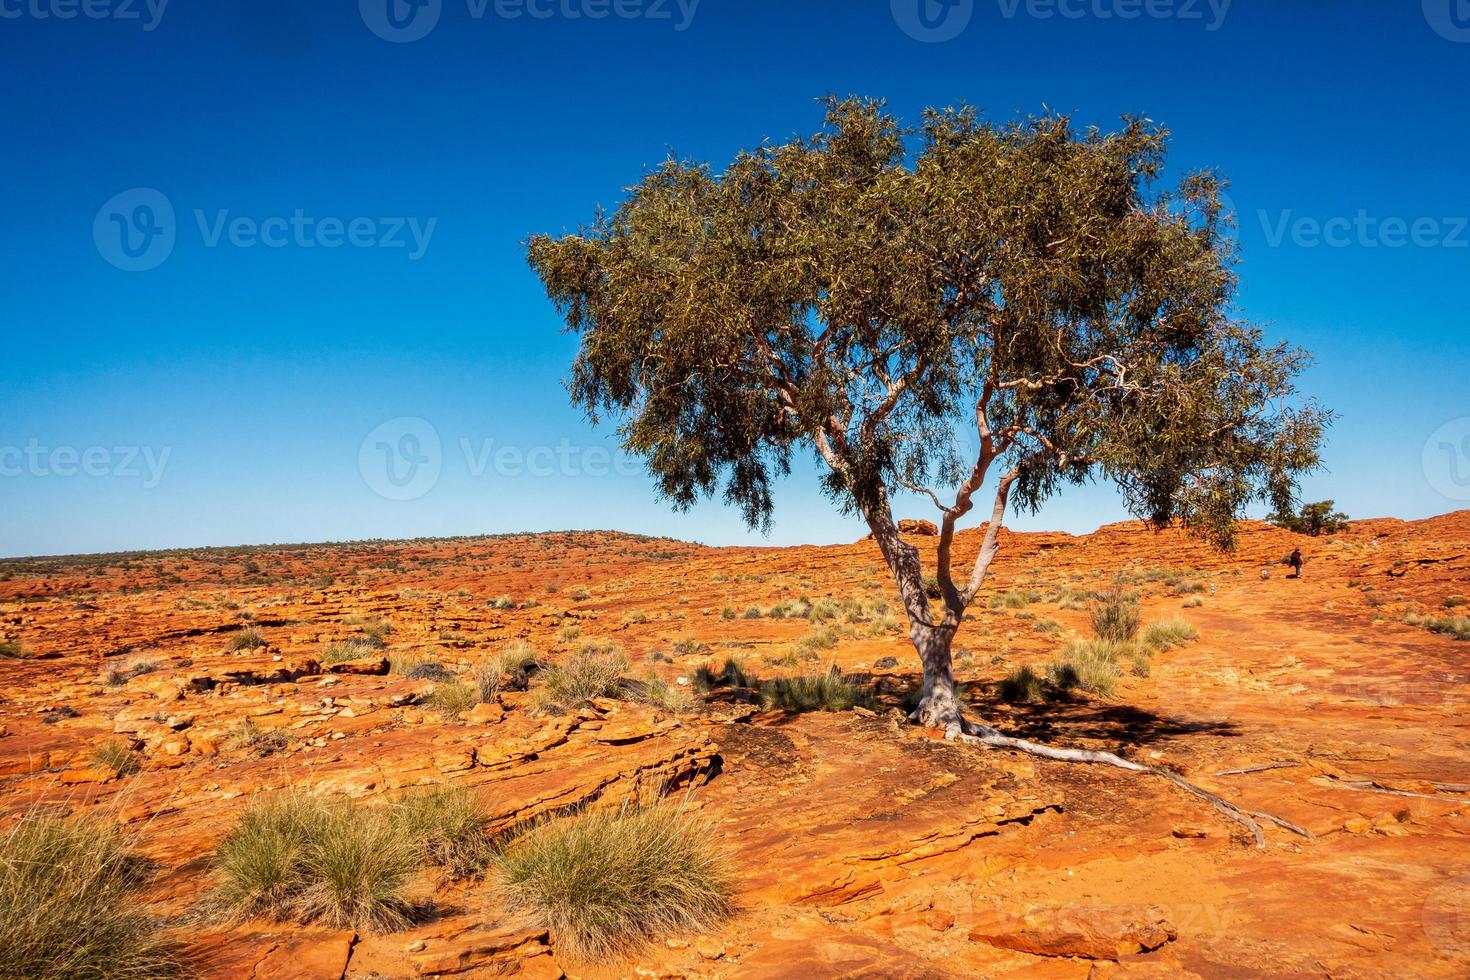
(1250, 819)
(1266, 768)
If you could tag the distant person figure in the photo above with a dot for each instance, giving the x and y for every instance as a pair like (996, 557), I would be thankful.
(1296, 562)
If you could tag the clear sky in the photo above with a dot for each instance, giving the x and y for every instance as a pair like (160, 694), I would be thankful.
(344, 249)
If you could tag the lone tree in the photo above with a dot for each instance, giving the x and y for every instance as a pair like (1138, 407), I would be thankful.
(874, 292)
(1315, 519)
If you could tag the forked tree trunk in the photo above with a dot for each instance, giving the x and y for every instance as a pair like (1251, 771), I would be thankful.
(938, 708)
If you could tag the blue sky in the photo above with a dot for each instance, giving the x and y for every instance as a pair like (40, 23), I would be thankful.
(348, 212)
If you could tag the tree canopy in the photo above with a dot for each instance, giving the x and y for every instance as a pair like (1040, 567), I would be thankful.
(869, 288)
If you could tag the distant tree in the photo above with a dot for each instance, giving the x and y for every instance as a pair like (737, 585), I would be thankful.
(871, 291)
(1314, 519)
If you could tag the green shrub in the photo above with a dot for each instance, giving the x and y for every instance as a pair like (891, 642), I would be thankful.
(448, 825)
(607, 881)
(329, 861)
(658, 693)
(1169, 633)
(1454, 601)
(453, 698)
(354, 648)
(818, 638)
(12, 650)
(828, 691)
(1090, 665)
(503, 602)
(1010, 599)
(1021, 684)
(117, 755)
(688, 646)
(249, 638)
(67, 906)
(1456, 626)
(593, 670)
(1114, 616)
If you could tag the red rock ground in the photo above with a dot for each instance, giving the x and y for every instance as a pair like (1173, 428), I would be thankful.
(861, 846)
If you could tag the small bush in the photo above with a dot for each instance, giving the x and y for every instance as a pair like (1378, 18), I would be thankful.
(351, 649)
(1193, 602)
(829, 691)
(1010, 599)
(257, 741)
(688, 646)
(1114, 616)
(448, 824)
(1454, 601)
(249, 638)
(593, 670)
(658, 693)
(453, 699)
(1022, 684)
(12, 650)
(1456, 626)
(731, 674)
(67, 905)
(1089, 665)
(818, 638)
(568, 634)
(1169, 633)
(429, 670)
(607, 881)
(329, 861)
(508, 670)
(503, 602)
(117, 755)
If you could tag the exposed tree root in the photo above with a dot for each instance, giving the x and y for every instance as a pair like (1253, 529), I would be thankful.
(1266, 768)
(991, 738)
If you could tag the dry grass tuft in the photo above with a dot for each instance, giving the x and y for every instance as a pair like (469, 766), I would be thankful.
(607, 881)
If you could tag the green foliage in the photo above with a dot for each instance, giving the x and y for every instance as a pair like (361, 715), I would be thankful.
(1169, 633)
(448, 825)
(1456, 626)
(828, 691)
(1314, 519)
(299, 856)
(607, 881)
(1030, 270)
(12, 650)
(354, 648)
(68, 906)
(1021, 684)
(1114, 616)
(593, 670)
(1092, 665)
